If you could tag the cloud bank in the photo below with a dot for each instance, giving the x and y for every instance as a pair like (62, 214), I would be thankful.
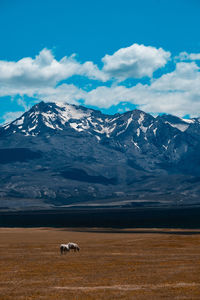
(175, 92)
(28, 75)
(136, 61)
(188, 56)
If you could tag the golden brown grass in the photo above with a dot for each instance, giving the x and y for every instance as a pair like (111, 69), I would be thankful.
(111, 265)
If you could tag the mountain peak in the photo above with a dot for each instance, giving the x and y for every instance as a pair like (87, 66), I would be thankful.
(64, 151)
(44, 118)
(53, 117)
(177, 122)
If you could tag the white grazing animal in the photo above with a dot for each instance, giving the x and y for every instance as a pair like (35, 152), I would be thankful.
(64, 248)
(73, 246)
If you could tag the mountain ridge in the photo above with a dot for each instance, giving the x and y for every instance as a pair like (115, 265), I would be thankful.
(58, 154)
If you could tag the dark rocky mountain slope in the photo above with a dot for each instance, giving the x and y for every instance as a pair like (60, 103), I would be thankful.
(59, 155)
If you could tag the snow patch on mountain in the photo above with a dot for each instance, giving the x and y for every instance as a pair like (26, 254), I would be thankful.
(154, 131)
(129, 121)
(141, 118)
(105, 130)
(181, 127)
(188, 120)
(19, 121)
(67, 112)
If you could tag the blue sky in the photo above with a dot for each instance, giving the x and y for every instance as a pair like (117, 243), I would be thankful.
(128, 54)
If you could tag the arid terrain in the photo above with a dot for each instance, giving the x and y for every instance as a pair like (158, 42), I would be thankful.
(112, 264)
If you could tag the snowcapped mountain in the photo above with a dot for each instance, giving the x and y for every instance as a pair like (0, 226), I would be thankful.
(43, 118)
(59, 154)
(48, 117)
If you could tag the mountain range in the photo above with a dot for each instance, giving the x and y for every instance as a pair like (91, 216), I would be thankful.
(64, 155)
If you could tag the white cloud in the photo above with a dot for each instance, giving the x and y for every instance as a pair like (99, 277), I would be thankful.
(10, 116)
(184, 78)
(22, 102)
(136, 61)
(188, 56)
(175, 93)
(104, 97)
(28, 75)
(35, 76)
(63, 93)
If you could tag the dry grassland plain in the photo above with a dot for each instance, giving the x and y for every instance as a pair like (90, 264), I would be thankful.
(112, 264)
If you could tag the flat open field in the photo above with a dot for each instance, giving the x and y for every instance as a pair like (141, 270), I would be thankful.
(112, 264)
